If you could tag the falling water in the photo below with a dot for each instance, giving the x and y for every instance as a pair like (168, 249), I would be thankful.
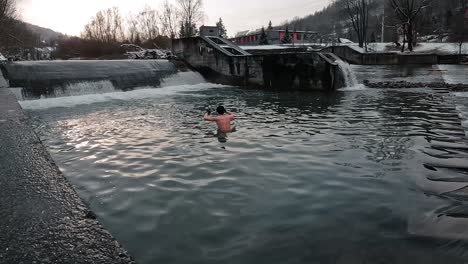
(350, 78)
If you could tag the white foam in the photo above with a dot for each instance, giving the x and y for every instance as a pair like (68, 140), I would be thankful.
(461, 94)
(141, 93)
(351, 81)
(183, 78)
(82, 88)
(359, 87)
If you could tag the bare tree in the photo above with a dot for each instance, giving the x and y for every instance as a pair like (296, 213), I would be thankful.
(191, 13)
(148, 23)
(169, 19)
(407, 12)
(106, 26)
(7, 15)
(7, 10)
(358, 13)
(132, 28)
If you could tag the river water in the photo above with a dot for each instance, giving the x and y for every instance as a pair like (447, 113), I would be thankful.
(362, 176)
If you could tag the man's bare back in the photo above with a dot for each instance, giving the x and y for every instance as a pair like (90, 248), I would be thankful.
(223, 120)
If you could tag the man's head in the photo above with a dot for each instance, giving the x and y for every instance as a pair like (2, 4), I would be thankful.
(221, 110)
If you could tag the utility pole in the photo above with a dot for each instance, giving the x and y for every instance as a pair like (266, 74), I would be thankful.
(383, 25)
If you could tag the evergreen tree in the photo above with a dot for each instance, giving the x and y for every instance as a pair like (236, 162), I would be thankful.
(188, 30)
(222, 28)
(270, 26)
(263, 38)
(287, 39)
(182, 30)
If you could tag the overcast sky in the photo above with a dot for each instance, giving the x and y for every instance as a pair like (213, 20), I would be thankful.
(69, 16)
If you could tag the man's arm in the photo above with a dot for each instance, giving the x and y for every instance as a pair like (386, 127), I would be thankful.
(230, 114)
(207, 117)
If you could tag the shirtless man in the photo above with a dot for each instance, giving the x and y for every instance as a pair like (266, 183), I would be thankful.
(223, 120)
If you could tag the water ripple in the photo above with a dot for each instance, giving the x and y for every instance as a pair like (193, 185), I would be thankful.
(308, 178)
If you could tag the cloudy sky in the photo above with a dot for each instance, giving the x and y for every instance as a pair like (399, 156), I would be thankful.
(69, 16)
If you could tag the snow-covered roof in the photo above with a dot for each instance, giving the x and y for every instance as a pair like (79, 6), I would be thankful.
(247, 32)
(258, 31)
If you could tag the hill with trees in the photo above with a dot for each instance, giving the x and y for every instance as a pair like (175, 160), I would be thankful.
(436, 20)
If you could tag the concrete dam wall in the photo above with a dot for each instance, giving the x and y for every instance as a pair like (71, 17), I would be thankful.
(56, 78)
(221, 62)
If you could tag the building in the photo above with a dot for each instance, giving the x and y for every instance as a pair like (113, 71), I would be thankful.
(206, 31)
(274, 36)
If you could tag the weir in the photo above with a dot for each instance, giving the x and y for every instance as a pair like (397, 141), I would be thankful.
(62, 78)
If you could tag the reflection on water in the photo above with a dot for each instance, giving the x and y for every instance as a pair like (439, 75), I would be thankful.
(372, 176)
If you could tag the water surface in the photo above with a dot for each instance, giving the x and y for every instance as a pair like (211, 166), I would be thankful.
(369, 176)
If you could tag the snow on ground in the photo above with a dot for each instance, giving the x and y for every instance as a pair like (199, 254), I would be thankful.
(343, 40)
(438, 48)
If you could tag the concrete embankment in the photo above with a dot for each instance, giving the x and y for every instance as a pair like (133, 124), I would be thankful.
(42, 218)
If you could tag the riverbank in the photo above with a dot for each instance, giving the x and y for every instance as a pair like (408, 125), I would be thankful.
(43, 218)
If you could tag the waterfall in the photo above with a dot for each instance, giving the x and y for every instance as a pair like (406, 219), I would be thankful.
(106, 87)
(350, 78)
(69, 78)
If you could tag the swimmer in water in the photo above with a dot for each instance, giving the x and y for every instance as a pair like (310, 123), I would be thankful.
(223, 120)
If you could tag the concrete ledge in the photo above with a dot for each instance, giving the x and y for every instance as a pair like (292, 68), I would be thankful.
(391, 58)
(42, 218)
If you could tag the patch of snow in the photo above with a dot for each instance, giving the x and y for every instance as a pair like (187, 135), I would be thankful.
(345, 41)
(438, 48)
(136, 52)
(2, 58)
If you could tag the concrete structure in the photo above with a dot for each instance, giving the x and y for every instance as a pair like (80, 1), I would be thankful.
(391, 58)
(274, 36)
(42, 78)
(207, 31)
(222, 62)
(43, 220)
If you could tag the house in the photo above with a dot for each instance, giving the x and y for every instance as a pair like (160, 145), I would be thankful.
(274, 36)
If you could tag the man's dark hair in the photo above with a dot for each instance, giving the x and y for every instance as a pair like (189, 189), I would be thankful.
(221, 110)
